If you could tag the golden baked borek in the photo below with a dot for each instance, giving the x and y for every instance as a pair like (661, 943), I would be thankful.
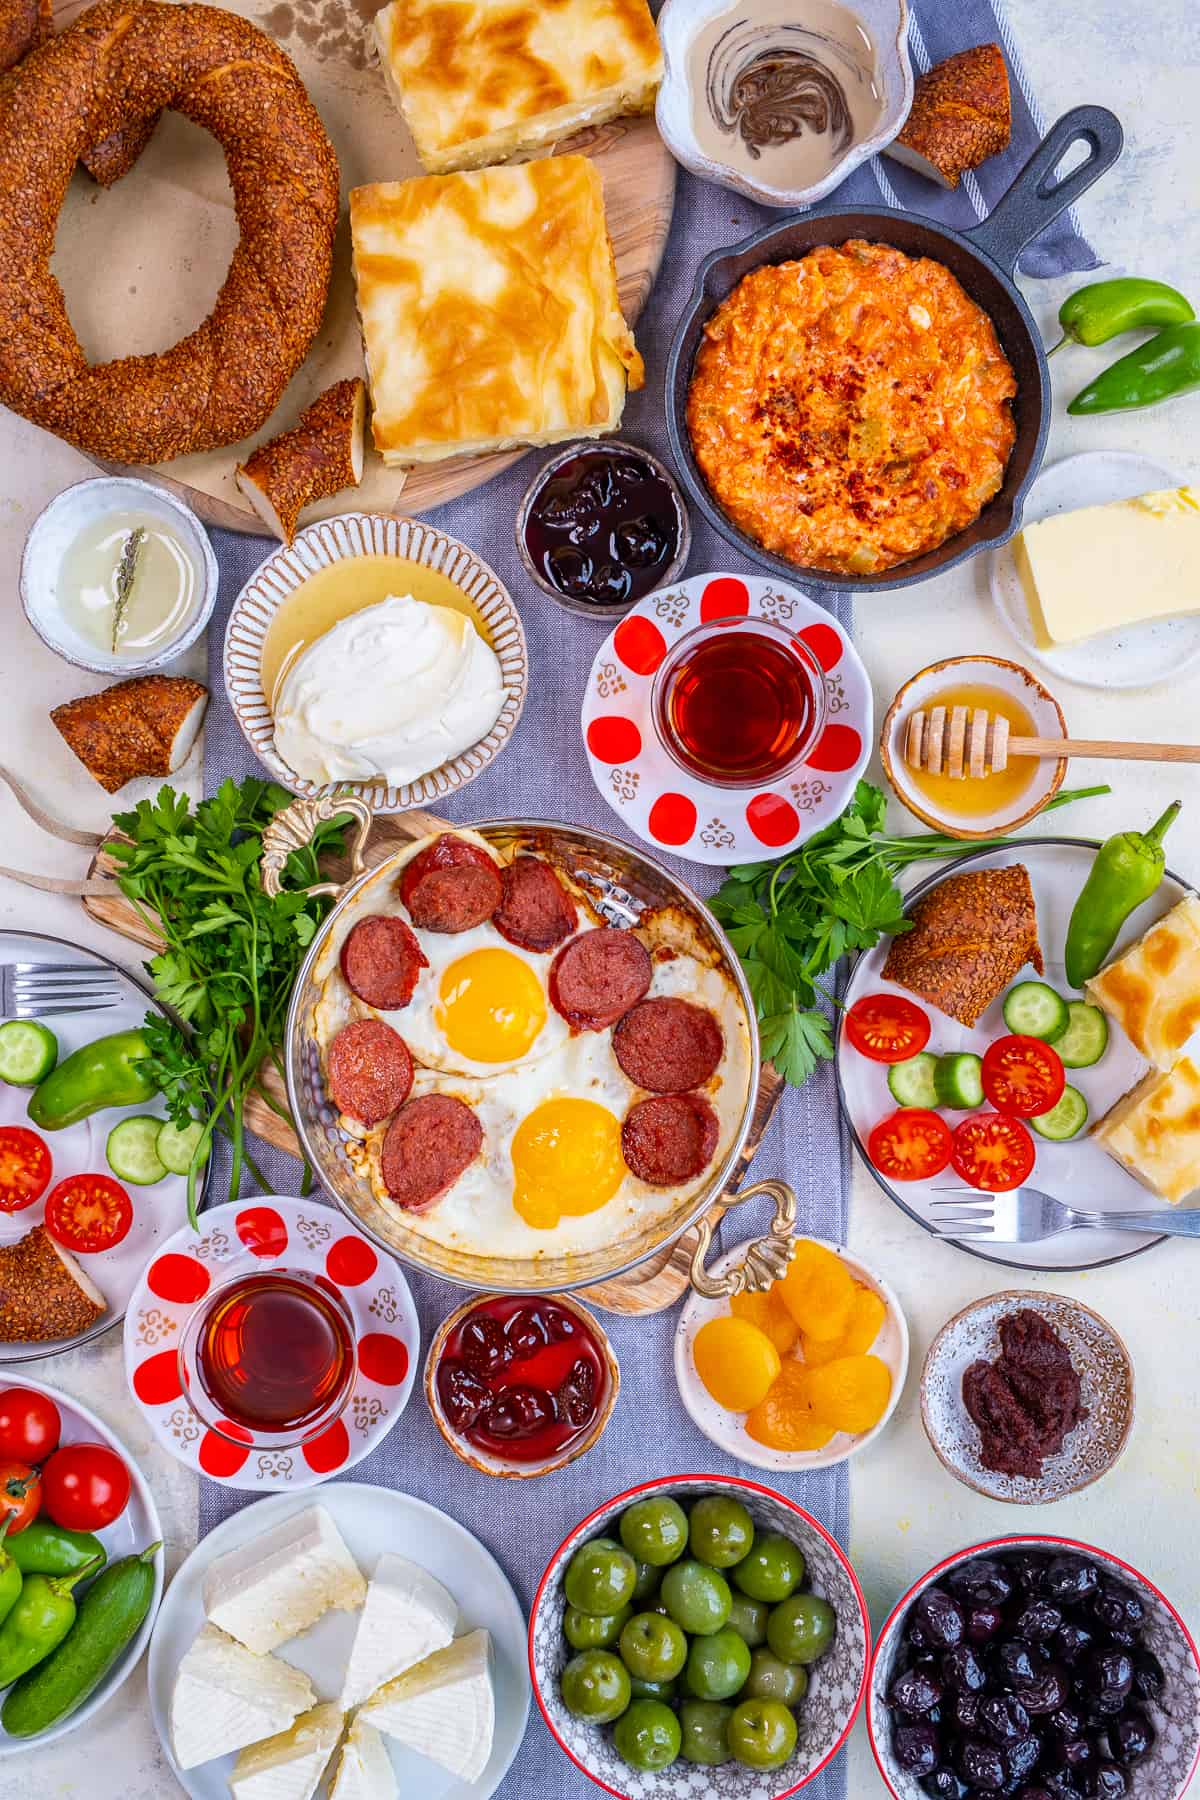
(850, 411)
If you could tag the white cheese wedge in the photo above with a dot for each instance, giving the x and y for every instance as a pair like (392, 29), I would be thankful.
(226, 1697)
(408, 1615)
(289, 1766)
(279, 1584)
(1106, 566)
(365, 1771)
(443, 1708)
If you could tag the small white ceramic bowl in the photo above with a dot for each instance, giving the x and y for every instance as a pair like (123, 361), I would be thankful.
(679, 24)
(370, 534)
(55, 530)
(727, 1429)
(978, 671)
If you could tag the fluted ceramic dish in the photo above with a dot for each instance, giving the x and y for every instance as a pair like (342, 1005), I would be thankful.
(370, 534)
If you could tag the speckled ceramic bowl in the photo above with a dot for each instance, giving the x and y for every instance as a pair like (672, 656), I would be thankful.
(1165, 1774)
(836, 1683)
(1106, 1379)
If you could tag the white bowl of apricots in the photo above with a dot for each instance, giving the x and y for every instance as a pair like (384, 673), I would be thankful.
(799, 1377)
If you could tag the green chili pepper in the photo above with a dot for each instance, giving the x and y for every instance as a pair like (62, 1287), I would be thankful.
(1127, 870)
(102, 1073)
(1162, 367)
(46, 1549)
(38, 1622)
(10, 1574)
(1104, 309)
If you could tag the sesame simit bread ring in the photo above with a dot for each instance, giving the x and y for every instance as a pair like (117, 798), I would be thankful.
(120, 62)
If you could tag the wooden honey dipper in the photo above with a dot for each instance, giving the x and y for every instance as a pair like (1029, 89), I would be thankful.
(967, 741)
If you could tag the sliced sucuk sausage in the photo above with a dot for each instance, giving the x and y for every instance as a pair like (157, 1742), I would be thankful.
(445, 852)
(370, 1071)
(668, 1045)
(536, 912)
(381, 960)
(455, 898)
(670, 1138)
(428, 1145)
(598, 976)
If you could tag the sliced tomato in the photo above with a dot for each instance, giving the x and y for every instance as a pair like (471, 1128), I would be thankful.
(887, 1028)
(1022, 1076)
(25, 1167)
(910, 1145)
(86, 1213)
(992, 1152)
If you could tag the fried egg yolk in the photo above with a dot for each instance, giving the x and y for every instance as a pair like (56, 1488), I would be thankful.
(490, 1006)
(566, 1157)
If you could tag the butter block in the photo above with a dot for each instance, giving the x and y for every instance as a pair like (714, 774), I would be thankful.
(1103, 567)
(1154, 1131)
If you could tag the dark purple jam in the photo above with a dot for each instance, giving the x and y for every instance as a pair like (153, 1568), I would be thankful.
(603, 529)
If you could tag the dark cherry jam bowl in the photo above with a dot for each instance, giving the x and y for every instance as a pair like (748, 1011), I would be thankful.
(601, 526)
(521, 1384)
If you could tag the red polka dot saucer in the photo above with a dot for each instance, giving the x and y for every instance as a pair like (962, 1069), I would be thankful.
(669, 807)
(246, 1237)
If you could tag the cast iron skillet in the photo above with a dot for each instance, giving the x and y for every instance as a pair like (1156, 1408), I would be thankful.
(984, 260)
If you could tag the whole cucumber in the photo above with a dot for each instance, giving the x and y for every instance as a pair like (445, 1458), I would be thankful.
(46, 1549)
(109, 1615)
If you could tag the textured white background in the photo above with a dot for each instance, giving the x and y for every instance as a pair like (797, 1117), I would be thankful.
(1144, 62)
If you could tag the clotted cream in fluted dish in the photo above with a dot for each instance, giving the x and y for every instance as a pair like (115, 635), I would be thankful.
(388, 693)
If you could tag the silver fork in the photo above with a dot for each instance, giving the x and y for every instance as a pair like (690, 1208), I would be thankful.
(1023, 1215)
(31, 990)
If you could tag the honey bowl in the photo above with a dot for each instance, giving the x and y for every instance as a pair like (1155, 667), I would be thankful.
(966, 806)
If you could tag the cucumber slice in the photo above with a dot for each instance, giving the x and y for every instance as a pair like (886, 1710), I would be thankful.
(28, 1052)
(1086, 1038)
(959, 1080)
(132, 1150)
(1032, 1009)
(1064, 1120)
(911, 1082)
(177, 1146)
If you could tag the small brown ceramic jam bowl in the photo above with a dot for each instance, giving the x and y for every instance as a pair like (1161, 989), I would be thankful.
(930, 798)
(520, 1360)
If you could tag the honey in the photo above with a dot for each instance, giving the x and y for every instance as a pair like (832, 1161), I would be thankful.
(985, 795)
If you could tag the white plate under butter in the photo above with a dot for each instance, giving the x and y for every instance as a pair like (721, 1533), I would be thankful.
(1134, 657)
(371, 1520)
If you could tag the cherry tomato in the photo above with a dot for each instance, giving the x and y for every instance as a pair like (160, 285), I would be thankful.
(86, 1487)
(1022, 1076)
(887, 1028)
(25, 1167)
(20, 1495)
(86, 1213)
(910, 1145)
(992, 1152)
(30, 1426)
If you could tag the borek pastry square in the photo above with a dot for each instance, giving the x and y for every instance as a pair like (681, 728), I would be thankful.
(489, 310)
(1154, 1132)
(478, 80)
(1153, 991)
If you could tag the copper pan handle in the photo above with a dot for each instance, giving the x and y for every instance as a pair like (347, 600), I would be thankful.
(293, 827)
(765, 1260)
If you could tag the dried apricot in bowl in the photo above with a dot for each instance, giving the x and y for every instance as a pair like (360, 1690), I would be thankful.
(850, 1394)
(736, 1362)
(818, 1290)
(769, 1312)
(784, 1419)
(867, 1313)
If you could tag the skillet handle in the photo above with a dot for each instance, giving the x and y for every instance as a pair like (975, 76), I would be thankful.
(1035, 199)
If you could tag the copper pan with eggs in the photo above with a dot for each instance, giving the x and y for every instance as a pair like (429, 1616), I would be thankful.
(547, 1202)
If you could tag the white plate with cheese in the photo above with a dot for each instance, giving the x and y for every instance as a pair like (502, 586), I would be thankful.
(1135, 654)
(253, 1578)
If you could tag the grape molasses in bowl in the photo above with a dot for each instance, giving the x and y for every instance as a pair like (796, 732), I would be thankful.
(601, 525)
(521, 1384)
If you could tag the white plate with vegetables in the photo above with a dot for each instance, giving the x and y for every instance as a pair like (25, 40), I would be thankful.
(944, 1073)
(87, 1191)
(84, 1496)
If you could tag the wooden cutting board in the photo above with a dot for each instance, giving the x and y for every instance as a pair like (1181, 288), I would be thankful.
(141, 262)
(653, 1285)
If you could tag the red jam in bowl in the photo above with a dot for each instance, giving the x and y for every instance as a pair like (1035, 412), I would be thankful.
(521, 1379)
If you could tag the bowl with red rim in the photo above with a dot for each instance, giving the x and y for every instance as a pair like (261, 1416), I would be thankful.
(837, 1682)
(1164, 1774)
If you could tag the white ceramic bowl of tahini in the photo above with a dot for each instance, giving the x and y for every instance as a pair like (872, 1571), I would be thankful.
(369, 534)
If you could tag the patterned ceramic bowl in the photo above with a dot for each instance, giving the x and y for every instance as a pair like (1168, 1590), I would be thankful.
(1166, 1773)
(370, 534)
(836, 1683)
(1106, 1379)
